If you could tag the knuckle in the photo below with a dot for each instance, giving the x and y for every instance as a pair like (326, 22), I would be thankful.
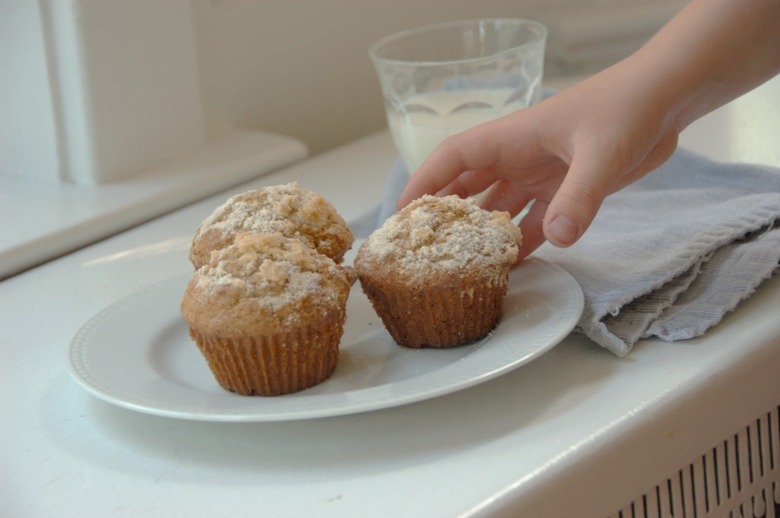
(585, 195)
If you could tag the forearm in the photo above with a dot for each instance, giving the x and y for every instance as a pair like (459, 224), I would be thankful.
(712, 52)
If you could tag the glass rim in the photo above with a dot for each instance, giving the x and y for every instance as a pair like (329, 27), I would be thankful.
(374, 54)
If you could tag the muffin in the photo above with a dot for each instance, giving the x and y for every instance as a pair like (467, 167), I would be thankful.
(436, 272)
(267, 312)
(286, 209)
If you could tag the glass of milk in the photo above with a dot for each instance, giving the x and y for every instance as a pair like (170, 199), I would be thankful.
(441, 79)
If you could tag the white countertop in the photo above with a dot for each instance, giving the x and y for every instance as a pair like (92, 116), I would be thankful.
(578, 429)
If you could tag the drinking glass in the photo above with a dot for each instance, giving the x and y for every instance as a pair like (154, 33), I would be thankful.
(441, 79)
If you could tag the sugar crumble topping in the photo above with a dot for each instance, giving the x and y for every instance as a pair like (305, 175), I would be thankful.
(274, 270)
(448, 233)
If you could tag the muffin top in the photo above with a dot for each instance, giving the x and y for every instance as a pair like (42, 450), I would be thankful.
(287, 209)
(441, 236)
(263, 284)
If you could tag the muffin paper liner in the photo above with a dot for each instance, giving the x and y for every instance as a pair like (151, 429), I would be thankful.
(437, 317)
(273, 365)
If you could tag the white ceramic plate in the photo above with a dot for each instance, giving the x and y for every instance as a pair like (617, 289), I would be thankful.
(137, 354)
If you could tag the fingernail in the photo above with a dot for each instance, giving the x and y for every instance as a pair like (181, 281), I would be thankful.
(563, 230)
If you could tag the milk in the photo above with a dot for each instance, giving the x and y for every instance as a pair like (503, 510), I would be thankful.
(427, 119)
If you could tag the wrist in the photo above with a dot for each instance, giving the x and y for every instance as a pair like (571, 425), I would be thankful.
(711, 53)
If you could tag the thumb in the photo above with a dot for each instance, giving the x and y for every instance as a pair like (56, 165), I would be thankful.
(576, 202)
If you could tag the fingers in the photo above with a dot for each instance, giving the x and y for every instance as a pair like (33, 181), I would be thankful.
(502, 195)
(446, 165)
(470, 162)
(595, 173)
(577, 200)
(531, 227)
(468, 184)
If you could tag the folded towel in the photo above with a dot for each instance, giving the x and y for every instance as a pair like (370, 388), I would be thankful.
(669, 255)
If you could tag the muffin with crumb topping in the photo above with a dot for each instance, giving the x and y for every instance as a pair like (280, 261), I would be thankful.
(437, 271)
(267, 312)
(287, 209)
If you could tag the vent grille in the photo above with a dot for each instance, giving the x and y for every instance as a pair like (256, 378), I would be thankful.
(740, 477)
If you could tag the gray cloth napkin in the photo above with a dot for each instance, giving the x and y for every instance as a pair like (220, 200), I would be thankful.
(669, 255)
(367, 223)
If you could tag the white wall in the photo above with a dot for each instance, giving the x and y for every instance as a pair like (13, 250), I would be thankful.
(301, 67)
(25, 100)
(98, 90)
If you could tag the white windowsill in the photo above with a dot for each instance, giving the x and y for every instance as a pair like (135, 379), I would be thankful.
(40, 220)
